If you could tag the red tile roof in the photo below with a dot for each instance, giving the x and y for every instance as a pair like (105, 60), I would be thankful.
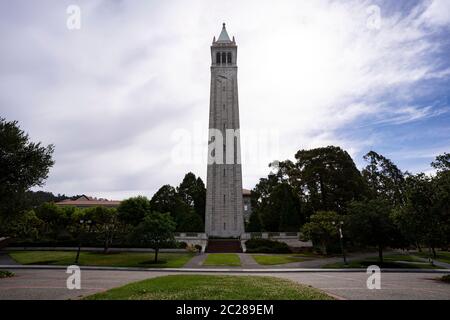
(85, 201)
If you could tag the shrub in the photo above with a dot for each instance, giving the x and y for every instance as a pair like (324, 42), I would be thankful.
(182, 245)
(446, 278)
(6, 274)
(266, 246)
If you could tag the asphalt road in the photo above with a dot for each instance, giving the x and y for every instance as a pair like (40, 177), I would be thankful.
(51, 284)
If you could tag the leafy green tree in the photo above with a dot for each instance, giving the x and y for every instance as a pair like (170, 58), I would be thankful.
(254, 223)
(384, 179)
(321, 229)
(133, 210)
(23, 164)
(105, 223)
(166, 199)
(26, 226)
(424, 217)
(441, 185)
(281, 210)
(327, 178)
(267, 219)
(56, 221)
(155, 230)
(442, 163)
(33, 199)
(369, 223)
(190, 222)
(193, 192)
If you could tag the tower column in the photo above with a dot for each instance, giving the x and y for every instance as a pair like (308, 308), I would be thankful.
(224, 205)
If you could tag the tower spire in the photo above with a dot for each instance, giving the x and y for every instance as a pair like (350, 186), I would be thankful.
(223, 37)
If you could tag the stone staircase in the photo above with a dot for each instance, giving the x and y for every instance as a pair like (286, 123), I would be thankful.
(223, 246)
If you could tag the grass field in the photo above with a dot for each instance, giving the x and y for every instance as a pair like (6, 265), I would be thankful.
(222, 259)
(122, 259)
(390, 261)
(6, 274)
(207, 287)
(273, 259)
(442, 256)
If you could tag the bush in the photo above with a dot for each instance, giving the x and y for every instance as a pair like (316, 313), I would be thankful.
(182, 245)
(266, 246)
(446, 278)
(6, 274)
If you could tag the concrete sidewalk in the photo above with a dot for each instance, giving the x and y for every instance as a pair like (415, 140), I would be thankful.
(5, 259)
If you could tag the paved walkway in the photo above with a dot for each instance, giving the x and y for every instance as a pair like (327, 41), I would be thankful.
(196, 261)
(51, 284)
(5, 259)
(247, 261)
(436, 263)
(319, 263)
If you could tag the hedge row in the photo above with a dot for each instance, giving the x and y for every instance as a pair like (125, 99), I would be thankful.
(266, 246)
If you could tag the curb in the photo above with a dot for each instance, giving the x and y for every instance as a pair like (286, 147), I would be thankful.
(216, 270)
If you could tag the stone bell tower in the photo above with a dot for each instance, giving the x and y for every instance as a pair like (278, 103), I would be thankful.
(224, 217)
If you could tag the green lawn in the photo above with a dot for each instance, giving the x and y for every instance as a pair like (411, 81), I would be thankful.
(222, 259)
(390, 261)
(272, 259)
(6, 274)
(122, 259)
(211, 287)
(442, 256)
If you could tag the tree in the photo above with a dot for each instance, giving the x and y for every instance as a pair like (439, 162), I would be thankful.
(286, 202)
(193, 192)
(254, 223)
(267, 219)
(56, 221)
(369, 223)
(33, 199)
(321, 229)
(166, 199)
(133, 210)
(105, 223)
(441, 185)
(23, 164)
(327, 178)
(25, 226)
(442, 162)
(424, 217)
(155, 230)
(384, 179)
(281, 210)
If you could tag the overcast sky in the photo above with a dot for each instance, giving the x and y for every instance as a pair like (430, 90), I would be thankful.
(125, 99)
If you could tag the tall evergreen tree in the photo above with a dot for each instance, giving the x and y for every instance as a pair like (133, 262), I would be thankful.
(384, 179)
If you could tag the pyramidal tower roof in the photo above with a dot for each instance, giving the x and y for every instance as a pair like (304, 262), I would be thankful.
(223, 37)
